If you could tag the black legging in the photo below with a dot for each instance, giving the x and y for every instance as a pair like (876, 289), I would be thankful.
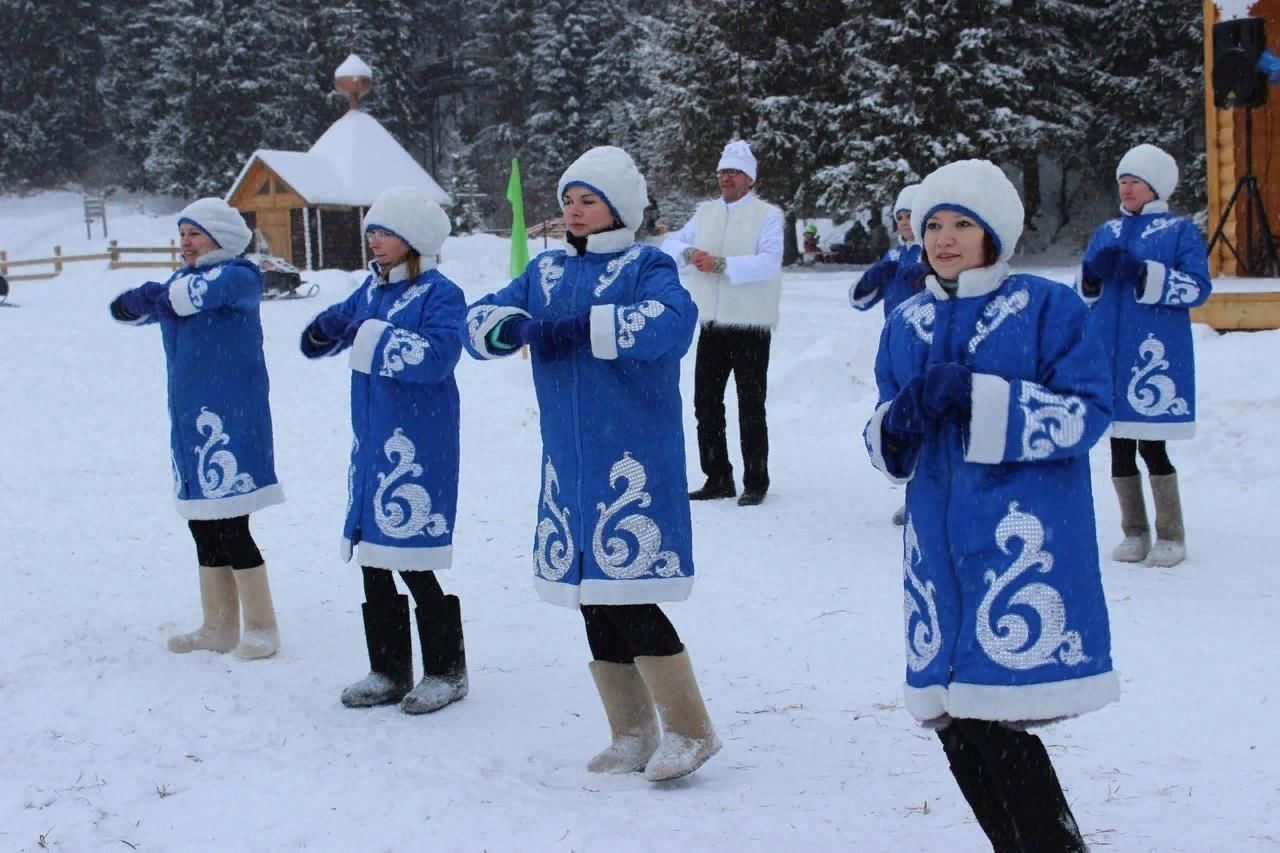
(619, 632)
(1124, 457)
(225, 542)
(380, 587)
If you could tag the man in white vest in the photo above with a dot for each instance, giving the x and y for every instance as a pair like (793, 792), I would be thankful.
(730, 257)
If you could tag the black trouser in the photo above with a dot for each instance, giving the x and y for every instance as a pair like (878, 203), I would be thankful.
(1008, 780)
(380, 588)
(1124, 457)
(619, 632)
(225, 542)
(744, 352)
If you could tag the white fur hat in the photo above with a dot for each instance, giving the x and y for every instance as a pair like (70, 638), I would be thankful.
(977, 188)
(905, 197)
(222, 222)
(737, 155)
(610, 173)
(1152, 165)
(411, 216)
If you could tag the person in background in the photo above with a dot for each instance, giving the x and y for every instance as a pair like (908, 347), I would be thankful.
(1142, 274)
(607, 322)
(730, 255)
(220, 441)
(894, 278)
(992, 390)
(401, 328)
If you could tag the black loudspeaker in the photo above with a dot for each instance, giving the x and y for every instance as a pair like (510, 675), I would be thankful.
(1237, 47)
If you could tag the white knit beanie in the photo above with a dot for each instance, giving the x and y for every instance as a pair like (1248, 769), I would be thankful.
(905, 197)
(1152, 165)
(737, 155)
(411, 216)
(976, 188)
(610, 173)
(222, 222)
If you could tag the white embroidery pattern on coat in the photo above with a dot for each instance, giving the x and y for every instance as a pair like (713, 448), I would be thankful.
(1158, 224)
(999, 309)
(408, 296)
(390, 516)
(218, 472)
(614, 268)
(549, 275)
(1183, 289)
(402, 350)
(632, 320)
(553, 556)
(923, 633)
(1049, 421)
(920, 316)
(1115, 225)
(351, 474)
(1151, 393)
(614, 554)
(1009, 642)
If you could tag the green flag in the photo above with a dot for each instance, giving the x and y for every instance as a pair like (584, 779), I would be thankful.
(519, 238)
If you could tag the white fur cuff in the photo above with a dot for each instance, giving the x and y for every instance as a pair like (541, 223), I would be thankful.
(604, 333)
(366, 344)
(875, 448)
(1153, 286)
(988, 419)
(180, 297)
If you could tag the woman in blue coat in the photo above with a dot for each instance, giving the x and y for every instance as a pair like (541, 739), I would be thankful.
(898, 275)
(220, 441)
(607, 321)
(992, 390)
(1142, 274)
(402, 328)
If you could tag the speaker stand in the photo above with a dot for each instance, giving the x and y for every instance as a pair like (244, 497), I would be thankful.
(1260, 249)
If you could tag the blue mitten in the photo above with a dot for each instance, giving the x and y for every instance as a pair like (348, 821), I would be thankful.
(913, 273)
(144, 300)
(513, 332)
(331, 325)
(874, 278)
(906, 413)
(1130, 269)
(948, 390)
(554, 339)
(1113, 263)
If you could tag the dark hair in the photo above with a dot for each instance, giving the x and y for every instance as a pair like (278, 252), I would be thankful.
(989, 256)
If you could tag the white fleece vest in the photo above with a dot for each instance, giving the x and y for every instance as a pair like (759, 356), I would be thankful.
(727, 233)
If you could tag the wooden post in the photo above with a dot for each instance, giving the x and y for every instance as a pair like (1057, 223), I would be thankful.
(4, 267)
(173, 253)
(319, 240)
(57, 259)
(306, 237)
(113, 250)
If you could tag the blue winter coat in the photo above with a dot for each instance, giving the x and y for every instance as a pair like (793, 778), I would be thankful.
(402, 485)
(613, 521)
(220, 439)
(891, 280)
(1005, 615)
(1146, 332)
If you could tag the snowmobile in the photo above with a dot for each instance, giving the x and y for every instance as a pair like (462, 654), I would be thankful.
(281, 279)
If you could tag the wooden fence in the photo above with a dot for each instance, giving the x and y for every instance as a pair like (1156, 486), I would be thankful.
(113, 255)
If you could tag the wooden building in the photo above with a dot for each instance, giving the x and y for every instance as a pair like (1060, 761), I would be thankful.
(308, 205)
(1243, 303)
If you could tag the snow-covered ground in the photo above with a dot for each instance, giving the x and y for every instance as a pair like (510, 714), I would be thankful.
(794, 626)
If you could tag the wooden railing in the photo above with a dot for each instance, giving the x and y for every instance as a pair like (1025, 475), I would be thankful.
(112, 255)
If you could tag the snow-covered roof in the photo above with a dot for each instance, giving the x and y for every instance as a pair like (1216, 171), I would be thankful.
(350, 164)
(353, 66)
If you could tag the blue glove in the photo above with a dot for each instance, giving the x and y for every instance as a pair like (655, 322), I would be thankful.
(513, 332)
(1113, 263)
(913, 273)
(149, 298)
(333, 325)
(906, 413)
(874, 279)
(553, 339)
(948, 390)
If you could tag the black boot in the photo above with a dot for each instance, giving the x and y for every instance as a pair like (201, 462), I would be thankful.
(1020, 770)
(386, 632)
(971, 774)
(444, 659)
(714, 488)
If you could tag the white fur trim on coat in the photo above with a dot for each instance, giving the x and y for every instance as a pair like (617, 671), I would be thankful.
(1153, 166)
(737, 155)
(610, 171)
(234, 506)
(411, 216)
(976, 186)
(1049, 701)
(632, 591)
(988, 419)
(363, 349)
(220, 221)
(875, 445)
(399, 558)
(604, 331)
(1152, 284)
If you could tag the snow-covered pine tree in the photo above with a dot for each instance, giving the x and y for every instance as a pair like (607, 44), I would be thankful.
(50, 109)
(1149, 87)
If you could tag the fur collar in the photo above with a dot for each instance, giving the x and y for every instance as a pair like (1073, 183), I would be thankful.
(975, 282)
